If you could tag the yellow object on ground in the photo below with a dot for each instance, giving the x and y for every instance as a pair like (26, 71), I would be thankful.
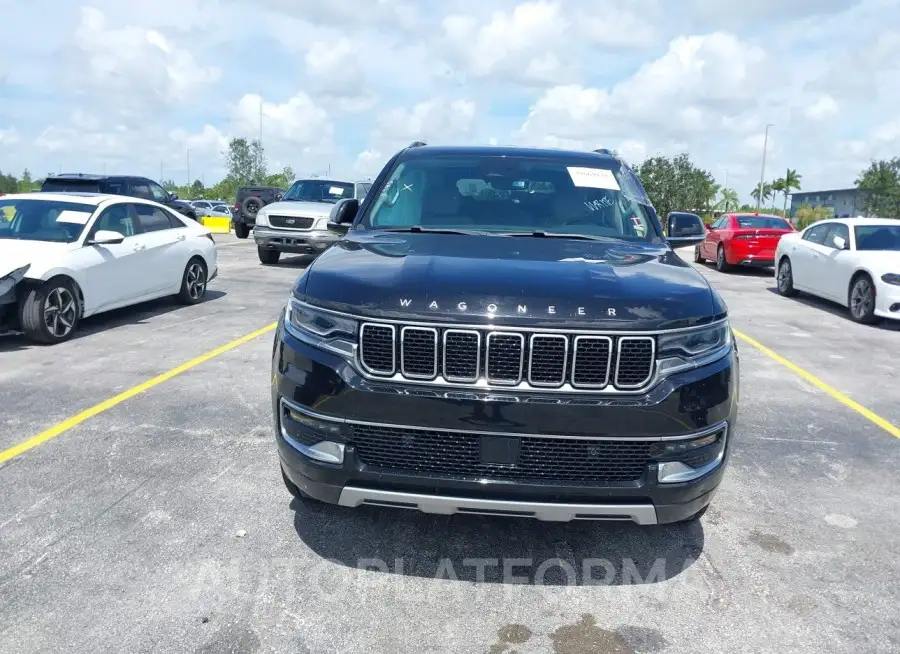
(216, 224)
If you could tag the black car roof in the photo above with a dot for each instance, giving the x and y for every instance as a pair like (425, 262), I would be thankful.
(426, 151)
(90, 177)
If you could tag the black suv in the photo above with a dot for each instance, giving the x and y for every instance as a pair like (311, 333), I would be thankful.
(250, 199)
(130, 185)
(506, 331)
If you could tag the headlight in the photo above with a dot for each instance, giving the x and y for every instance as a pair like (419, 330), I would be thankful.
(688, 349)
(8, 282)
(321, 328)
(891, 278)
(262, 218)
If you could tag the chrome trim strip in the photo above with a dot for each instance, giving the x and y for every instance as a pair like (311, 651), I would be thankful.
(489, 326)
(365, 423)
(487, 359)
(379, 373)
(434, 367)
(565, 340)
(609, 358)
(652, 371)
(642, 514)
(464, 380)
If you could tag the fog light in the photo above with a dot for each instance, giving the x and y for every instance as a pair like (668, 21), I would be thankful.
(313, 437)
(700, 456)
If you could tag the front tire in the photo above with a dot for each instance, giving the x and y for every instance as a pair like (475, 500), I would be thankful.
(698, 258)
(268, 257)
(862, 300)
(241, 230)
(722, 264)
(50, 312)
(193, 282)
(786, 279)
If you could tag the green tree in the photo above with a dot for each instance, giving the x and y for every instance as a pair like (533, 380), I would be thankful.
(245, 161)
(790, 183)
(282, 179)
(880, 183)
(730, 200)
(676, 184)
(26, 183)
(197, 190)
(761, 193)
(777, 187)
(8, 183)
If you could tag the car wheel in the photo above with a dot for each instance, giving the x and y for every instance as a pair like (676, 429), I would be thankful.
(785, 279)
(722, 264)
(50, 312)
(862, 300)
(697, 256)
(193, 282)
(251, 206)
(268, 257)
(241, 230)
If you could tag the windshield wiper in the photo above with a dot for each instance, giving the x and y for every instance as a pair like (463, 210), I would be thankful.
(415, 229)
(580, 237)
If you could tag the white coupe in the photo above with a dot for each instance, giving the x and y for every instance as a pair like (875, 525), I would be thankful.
(852, 261)
(66, 256)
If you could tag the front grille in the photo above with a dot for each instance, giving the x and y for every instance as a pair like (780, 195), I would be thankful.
(507, 358)
(541, 460)
(291, 222)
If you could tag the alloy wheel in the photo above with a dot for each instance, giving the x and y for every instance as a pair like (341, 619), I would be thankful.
(861, 298)
(60, 312)
(196, 280)
(784, 277)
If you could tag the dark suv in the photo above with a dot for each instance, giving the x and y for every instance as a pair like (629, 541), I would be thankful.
(249, 200)
(506, 331)
(130, 185)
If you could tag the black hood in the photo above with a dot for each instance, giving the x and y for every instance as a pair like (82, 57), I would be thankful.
(534, 281)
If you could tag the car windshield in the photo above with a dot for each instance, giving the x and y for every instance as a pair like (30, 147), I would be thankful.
(545, 195)
(42, 220)
(878, 237)
(319, 190)
(762, 222)
(70, 186)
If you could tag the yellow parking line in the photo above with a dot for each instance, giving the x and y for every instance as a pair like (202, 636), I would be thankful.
(66, 425)
(818, 383)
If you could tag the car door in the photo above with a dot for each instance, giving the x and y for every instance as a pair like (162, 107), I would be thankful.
(113, 272)
(165, 236)
(837, 264)
(711, 242)
(806, 255)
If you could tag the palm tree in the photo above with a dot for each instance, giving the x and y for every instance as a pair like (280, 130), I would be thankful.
(790, 181)
(730, 200)
(777, 187)
(762, 192)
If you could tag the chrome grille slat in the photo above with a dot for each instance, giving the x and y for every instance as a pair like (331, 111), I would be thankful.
(419, 352)
(488, 357)
(291, 222)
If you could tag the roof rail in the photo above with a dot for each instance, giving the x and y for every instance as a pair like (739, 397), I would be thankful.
(417, 144)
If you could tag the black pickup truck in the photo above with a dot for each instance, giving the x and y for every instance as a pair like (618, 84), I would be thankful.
(506, 331)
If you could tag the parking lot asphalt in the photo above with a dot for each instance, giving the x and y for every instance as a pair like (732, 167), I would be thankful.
(162, 525)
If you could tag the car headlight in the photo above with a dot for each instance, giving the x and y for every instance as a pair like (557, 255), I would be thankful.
(683, 350)
(262, 218)
(321, 328)
(891, 278)
(8, 282)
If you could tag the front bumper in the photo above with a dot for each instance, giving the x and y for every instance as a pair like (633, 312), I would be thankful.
(318, 396)
(294, 241)
(887, 300)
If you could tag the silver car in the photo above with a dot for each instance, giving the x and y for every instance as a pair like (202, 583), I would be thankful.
(297, 224)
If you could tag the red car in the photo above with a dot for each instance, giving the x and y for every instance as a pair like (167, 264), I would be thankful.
(742, 239)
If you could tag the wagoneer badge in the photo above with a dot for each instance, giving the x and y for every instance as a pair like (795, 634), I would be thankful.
(492, 308)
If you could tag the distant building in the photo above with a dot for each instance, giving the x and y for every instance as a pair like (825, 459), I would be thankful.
(843, 202)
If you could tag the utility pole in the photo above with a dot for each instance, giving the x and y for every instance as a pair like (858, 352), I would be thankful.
(762, 172)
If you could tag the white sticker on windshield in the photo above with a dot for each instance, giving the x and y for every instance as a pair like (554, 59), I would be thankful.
(77, 217)
(336, 190)
(593, 178)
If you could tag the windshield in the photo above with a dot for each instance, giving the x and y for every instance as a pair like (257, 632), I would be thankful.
(762, 222)
(71, 186)
(43, 220)
(513, 194)
(878, 237)
(319, 190)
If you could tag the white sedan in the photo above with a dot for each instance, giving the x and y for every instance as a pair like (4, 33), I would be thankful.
(66, 256)
(852, 261)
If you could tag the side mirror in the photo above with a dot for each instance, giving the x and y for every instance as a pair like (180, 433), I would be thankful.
(342, 215)
(106, 237)
(173, 196)
(839, 243)
(685, 229)
(709, 227)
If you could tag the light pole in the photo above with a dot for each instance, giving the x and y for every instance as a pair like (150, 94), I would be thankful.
(762, 173)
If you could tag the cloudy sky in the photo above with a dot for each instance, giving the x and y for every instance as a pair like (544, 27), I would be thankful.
(133, 86)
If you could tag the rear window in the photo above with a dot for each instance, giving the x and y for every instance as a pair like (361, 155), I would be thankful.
(878, 237)
(70, 186)
(762, 222)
